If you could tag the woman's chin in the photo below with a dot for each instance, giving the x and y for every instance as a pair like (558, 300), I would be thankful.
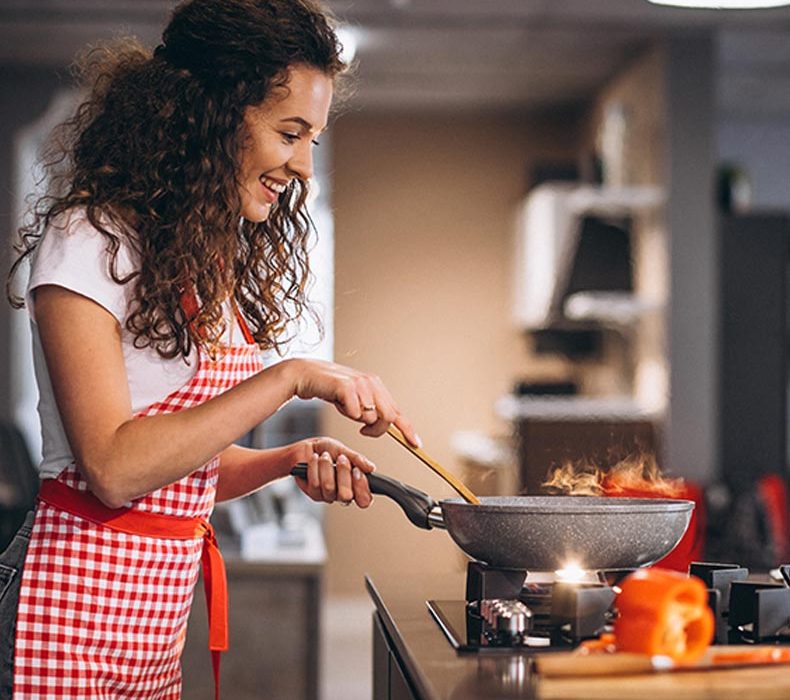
(256, 213)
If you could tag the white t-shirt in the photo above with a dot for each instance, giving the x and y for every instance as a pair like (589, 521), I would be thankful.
(73, 254)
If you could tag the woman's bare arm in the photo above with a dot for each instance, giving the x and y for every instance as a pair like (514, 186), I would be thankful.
(124, 458)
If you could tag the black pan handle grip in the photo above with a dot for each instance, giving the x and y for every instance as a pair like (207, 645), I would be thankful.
(416, 504)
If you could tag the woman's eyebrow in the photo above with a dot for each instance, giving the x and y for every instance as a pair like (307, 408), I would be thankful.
(302, 122)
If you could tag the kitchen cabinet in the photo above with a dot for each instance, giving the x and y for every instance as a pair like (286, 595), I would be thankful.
(419, 654)
(543, 444)
(274, 634)
(552, 431)
(390, 681)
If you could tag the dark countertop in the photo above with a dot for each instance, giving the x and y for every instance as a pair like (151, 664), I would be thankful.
(435, 669)
(438, 672)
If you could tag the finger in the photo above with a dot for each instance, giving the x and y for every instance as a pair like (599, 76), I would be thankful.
(312, 493)
(361, 462)
(328, 478)
(357, 459)
(347, 402)
(375, 429)
(405, 426)
(362, 495)
(313, 476)
(388, 411)
(374, 399)
(345, 492)
(370, 409)
(337, 448)
(382, 399)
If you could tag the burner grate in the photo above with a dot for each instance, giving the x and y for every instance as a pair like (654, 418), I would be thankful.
(504, 610)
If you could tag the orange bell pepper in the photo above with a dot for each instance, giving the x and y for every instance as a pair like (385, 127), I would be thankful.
(663, 612)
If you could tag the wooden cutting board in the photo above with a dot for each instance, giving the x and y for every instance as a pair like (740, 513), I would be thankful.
(701, 682)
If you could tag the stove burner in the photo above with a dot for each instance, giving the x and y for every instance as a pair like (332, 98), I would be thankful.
(745, 611)
(759, 612)
(484, 582)
(719, 579)
(505, 622)
(580, 611)
(504, 610)
(468, 630)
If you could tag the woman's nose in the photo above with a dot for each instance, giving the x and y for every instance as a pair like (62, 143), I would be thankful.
(301, 162)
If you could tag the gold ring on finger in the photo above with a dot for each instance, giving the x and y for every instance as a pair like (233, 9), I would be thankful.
(370, 407)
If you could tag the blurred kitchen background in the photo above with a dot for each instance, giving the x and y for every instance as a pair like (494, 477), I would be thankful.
(557, 229)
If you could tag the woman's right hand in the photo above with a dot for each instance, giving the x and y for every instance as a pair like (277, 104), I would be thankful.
(357, 395)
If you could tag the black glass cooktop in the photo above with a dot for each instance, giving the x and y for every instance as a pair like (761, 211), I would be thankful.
(467, 632)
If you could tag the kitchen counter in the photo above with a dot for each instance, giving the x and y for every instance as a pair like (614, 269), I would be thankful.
(414, 660)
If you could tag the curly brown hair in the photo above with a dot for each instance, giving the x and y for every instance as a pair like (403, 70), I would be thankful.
(152, 156)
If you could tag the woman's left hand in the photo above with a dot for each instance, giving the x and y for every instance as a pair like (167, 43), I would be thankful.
(334, 472)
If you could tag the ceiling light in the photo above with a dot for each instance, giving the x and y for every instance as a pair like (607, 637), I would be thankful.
(723, 4)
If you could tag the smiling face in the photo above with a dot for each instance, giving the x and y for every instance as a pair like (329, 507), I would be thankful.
(281, 134)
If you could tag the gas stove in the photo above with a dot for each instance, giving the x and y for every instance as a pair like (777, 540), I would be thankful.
(507, 610)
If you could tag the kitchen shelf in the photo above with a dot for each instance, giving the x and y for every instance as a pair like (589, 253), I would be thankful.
(576, 408)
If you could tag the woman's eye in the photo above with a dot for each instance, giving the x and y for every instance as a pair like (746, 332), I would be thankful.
(290, 138)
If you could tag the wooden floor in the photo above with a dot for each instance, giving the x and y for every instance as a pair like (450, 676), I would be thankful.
(346, 651)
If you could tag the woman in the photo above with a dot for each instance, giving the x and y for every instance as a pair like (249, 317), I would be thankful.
(175, 251)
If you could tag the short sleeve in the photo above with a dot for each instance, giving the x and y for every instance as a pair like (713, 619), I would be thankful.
(73, 254)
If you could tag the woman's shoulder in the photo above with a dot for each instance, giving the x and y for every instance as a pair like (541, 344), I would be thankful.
(76, 223)
(72, 232)
(76, 253)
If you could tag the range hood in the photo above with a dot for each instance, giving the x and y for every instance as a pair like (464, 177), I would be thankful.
(573, 258)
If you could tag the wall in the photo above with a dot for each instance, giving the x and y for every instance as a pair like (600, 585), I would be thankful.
(423, 234)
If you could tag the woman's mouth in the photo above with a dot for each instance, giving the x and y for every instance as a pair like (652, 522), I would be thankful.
(272, 189)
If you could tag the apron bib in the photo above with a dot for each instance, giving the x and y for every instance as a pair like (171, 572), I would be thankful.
(103, 612)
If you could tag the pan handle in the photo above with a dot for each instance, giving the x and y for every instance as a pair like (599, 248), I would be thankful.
(419, 507)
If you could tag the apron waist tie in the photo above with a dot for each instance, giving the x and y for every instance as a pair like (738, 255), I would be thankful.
(85, 505)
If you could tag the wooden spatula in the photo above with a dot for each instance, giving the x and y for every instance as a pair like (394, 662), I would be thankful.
(420, 454)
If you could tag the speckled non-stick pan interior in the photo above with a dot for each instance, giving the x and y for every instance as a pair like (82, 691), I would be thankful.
(545, 533)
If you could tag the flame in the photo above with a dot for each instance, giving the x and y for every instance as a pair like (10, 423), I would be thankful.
(637, 475)
(572, 572)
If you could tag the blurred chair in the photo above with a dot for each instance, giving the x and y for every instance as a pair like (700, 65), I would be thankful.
(18, 482)
(773, 492)
(749, 525)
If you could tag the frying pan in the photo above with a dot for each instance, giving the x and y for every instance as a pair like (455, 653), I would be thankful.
(546, 533)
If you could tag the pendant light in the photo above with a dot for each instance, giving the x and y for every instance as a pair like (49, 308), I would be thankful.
(723, 4)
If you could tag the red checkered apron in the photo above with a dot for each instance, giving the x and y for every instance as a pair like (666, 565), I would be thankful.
(103, 609)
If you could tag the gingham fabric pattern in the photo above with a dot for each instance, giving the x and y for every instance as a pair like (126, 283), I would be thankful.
(102, 614)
